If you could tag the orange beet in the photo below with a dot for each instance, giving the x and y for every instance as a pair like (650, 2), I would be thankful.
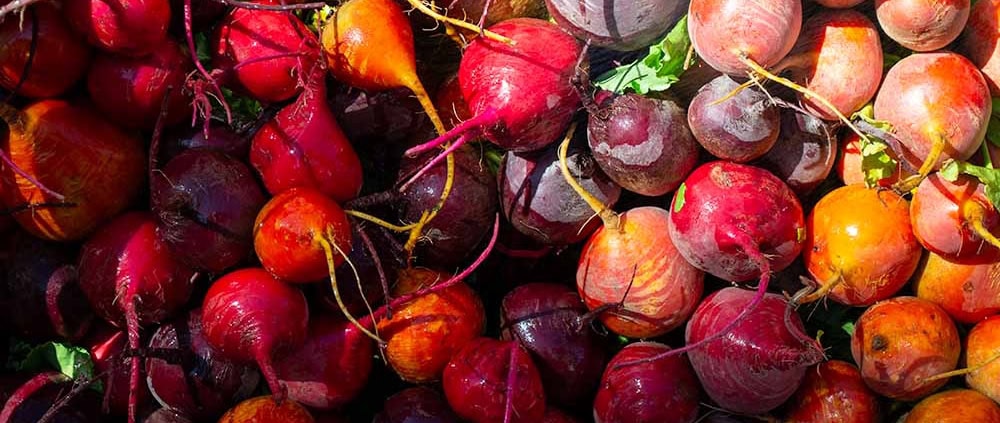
(955, 406)
(969, 293)
(263, 409)
(901, 341)
(861, 237)
(849, 163)
(833, 392)
(982, 345)
(425, 332)
(980, 41)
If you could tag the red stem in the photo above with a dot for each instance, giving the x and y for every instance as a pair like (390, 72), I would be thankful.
(488, 117)
(193, 50)
(132, 328)
(27, 390)
(278, 390)
(462, 139)
(266, 58)
(511, 379)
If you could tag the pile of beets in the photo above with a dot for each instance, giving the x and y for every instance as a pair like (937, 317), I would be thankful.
(499, 211)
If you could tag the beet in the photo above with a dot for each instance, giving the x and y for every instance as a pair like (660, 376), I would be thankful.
(367, 260)
(61, 58)
(954, 406)
(34, 398)
(664, 390)
(833, 391)
(741, 128)
(922, 25)
(166, 415)
(548, 321)
(267, 410)
(492, 381)
(623, 27)
(206, 203)
(981, 348)
(416, 405)
(330, 368)
(495, 10)
(642, 143)
(956, 220)
(130, 27)
(761, 361)
(200, 385)
(727, 34)
(107, 346)
(804, 153)
(540, 204)
(42, 291)
(130, 91)
(249, 316)
(220, 138)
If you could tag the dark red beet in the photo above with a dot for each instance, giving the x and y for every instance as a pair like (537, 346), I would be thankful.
(804, 154)
(248, 316)
(34, 398)
(166, 415)
(201, 385)
(642, 143)
(206, 203)
(555, 416)
(539, 203)
(664, 390)
(42, 291)
(303, 146)
(367, 262)
(416, 405)
(61, 58)
(741, 128)
(107, 346)
(130, 91)
(467, 215)
(203, 15)
(548, 321)
(220, 138)
(377, 117)
(130, 27)
(760, 363)
(490, 381)
(274, 48)
(330, 369)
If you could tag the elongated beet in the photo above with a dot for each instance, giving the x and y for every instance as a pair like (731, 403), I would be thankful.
(130, 27)
(191, 377)
(60, 58)
(205, 203)
(548, 320)
(664, 390)
(76, 154)
(621, 27)
(493, 381)
(643, 144)
(741, 128)
(249, 316)
(761, 361)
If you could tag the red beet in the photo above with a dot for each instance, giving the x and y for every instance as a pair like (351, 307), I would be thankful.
(190, 377)
(741, 128)
(330, 368)
(664, 390)
(804, 154)
(61, 58)
(206, 202)
(760, 362)
(248, 316)
(833, 391)
(956, 220)
(106, 346)
(220, 138)
(34, 398)
(130, 90)
(130, 27)
(491, 381)
(548, 321)
(416, 405)
(304, 147)
(272, 50)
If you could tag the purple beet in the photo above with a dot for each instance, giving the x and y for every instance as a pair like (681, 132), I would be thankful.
(760, 363)
(416, 405)
(34, 398)
(539, 203)
(189, 377)
(331, 368)
(622, 26)
(663, 390)
(205, 203)
(548, 321)
(642, 143)
(492, 381)
(741, 128)
(804, 153)
(42, 291)
(106, 346)
(220, 138)
(367, 260)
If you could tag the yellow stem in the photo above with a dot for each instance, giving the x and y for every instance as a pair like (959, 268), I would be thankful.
(429, 11)
(824, 289)
(379, 222)
(732, 93)
(609, 217)
(427, 104)
(961, 372)
(975, 214)
(328, 248)
(909, 184)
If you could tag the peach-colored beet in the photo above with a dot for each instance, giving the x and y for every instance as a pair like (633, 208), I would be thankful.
(969, 293)
(943, 212)
(922, 25)
(899, 342)
(833, 392)
(979, 42)
(955, 406)
(264, 410)
(848, 166)
(722, 30)
(982, 345)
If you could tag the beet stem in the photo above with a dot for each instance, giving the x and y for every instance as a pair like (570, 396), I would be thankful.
(609, 217)
(960, 372)
(38, 184)
(379, 222)
(383, 280)
(154, 145)
(449, 182)
(328, 248)
(278, 390)
(486, 118)
(272, 7)
(425, 101)
(34, 206)
(429, 11)
(437, 159)
(909, 184)
(26, 390)
(371, 200)
(511, 379)
(193, 50)
(15, 5)
(132, 327)
(975, 214)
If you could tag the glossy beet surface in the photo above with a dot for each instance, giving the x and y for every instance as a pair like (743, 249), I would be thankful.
(130, 27)
(416, 405)
(626, 28)
(664, 390)
(942, 213)
(61, 57)
(968, 292)
(265, 409)
(220, 138)
(479, 378)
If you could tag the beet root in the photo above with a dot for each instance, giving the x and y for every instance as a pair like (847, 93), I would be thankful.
(129, 27)
(741, 128)
(664, 390)
(833, 391)
(61, 58)
(955, 406)
(415, 404)
(493, 381)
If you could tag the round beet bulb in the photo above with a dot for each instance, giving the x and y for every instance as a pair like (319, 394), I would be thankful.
(741, 128)
(330, 368)
(192, 378)
(42, 291)
(249, 316)
(663, 390)
(805, 151)
(265, 409)
(642, 143)
(220, 138)
(626, 27)
(130, 91)
(833, 391)
(206, 203)
(129, 27)
(538, 201)
(482, 374)
(35, 397)
(367, 260)
(61, 57)
(416, 405)
(548, 321)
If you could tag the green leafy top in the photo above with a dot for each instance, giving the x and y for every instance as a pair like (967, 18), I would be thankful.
(660, 69)
(74, 362)
(993, 130)
(876, 164)
(987, 175)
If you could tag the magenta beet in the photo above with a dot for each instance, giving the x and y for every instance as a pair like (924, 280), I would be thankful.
(249, 316)
(416, 405)
(494, 381)
(330, 368)
(660, 391)
(190, 377)
(129, 27)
